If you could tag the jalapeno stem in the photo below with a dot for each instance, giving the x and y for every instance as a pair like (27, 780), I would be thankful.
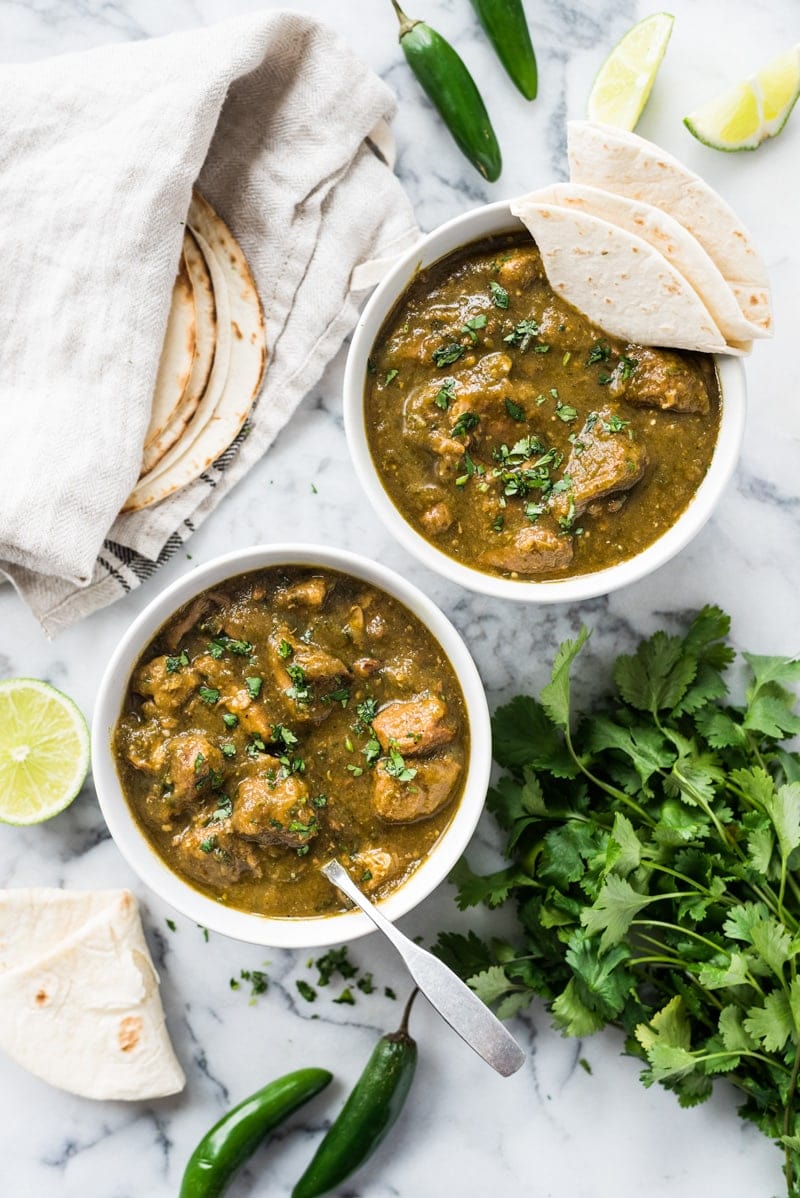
(406, 24)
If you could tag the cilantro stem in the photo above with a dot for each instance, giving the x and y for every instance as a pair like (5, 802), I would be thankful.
(619, 795)
(788, 1118)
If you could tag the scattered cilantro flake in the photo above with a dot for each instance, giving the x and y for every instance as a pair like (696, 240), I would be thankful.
(365, 984)
(209, 694)
(173, 927)
(285, 649)
(514, 410)
(254, 686)
(174, 663)
(230, 719)
(390, 376)
(389, 992)
(566, 413)
(346, 997)
(228, 750)
(306, 990)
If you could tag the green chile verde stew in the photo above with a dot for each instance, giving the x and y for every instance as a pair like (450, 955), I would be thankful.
(516, 436)
(283, 717)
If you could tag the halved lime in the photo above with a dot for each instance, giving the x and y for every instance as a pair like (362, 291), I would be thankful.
(751, 111)
(44, 751)
(625, 80)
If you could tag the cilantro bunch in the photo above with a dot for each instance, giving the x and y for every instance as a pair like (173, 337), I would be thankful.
(653, 846)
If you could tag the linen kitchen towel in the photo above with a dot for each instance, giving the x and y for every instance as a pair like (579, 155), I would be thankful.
(277, 121)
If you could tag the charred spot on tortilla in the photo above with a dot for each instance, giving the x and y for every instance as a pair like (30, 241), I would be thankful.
(130, 1032)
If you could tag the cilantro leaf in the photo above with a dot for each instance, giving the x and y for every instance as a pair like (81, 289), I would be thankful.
(657, 676)
(556, 695)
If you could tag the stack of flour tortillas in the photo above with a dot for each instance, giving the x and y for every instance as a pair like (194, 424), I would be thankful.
(79, 1003)
(646, 249)
(211, 364)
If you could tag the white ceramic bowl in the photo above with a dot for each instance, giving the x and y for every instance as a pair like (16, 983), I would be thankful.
(143, 859)
(471, 226)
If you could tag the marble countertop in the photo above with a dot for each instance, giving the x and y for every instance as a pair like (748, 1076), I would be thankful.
(556, 1129)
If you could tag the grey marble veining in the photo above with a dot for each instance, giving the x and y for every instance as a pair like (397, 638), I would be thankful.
(556, 1129)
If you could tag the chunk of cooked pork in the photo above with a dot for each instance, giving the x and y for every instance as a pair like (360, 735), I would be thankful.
(657, 378)
(413, 726)
(534, 549)
(603, 461)
(212, 853)
(274, 810)
(431, 789)
(168, 689)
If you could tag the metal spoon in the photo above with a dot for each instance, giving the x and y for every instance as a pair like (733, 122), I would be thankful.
(456, 1003)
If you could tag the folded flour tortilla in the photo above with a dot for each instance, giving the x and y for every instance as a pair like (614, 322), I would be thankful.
(671, 239)
(205, 320)
(79, 1002)
(621, 162)
(619, 281)
(237, 371)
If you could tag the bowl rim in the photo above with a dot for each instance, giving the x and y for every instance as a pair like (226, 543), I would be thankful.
(143, 858)
(444, 239)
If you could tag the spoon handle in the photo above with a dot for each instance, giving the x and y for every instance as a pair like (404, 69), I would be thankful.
(456, 1003)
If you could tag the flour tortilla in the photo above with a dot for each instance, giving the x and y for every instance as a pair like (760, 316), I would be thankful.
(618, 280)
(177, 355)
(664, 234)
(621, 162)
(238, 367)
(79, 1002)
(205, 315)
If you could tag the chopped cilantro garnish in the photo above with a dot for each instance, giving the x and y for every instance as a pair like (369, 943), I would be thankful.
(600, 352)
(605, 379)
(515, 411)
(285, 649)
(396, 766)
(319, 801)
(228, 750)
(522, 334)
(346, 997)
(254, 686)
(300, 689)
(340, 695)
(465, 423)
(566, 413)
(472, 326)
(499, 294)
(445, 355)
(208, 845)
(446, 394)
(230, 719)
(366, 984)
(305, 990)
(175, 663)
(498, 523)
(209, 694)
(173, 927)
(627, 367)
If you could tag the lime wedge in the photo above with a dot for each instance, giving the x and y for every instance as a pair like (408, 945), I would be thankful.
(751, 111)
(44, 751)
(625, 80)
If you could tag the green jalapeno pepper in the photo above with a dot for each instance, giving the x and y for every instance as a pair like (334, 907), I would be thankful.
(507, 30)
(372, 1107)
(230, 1142)
(452, 90)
